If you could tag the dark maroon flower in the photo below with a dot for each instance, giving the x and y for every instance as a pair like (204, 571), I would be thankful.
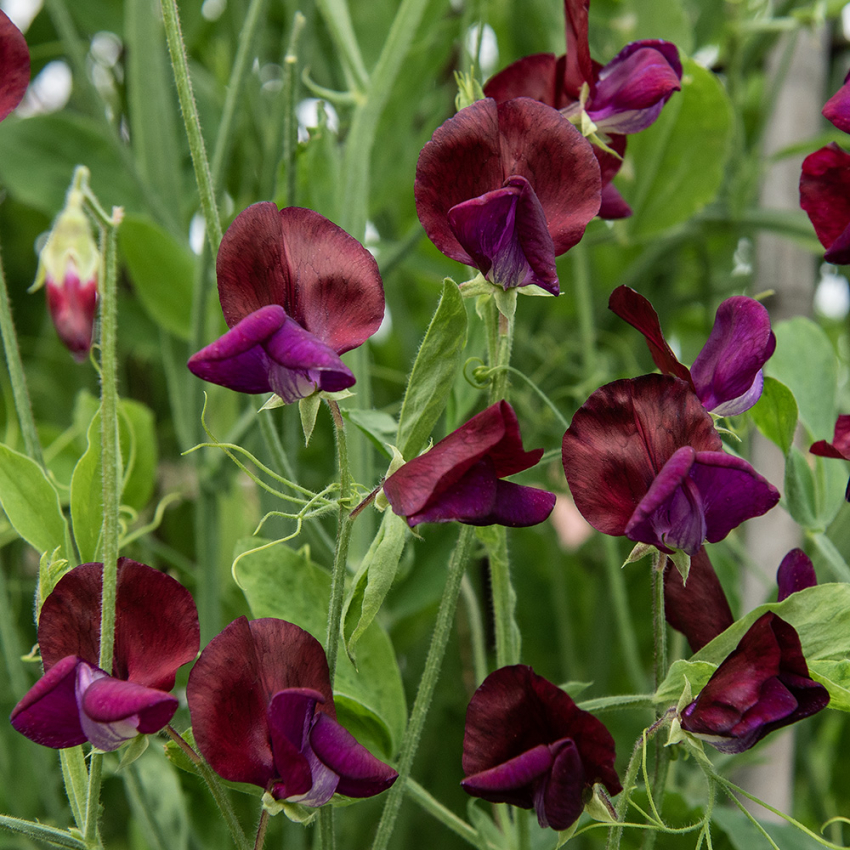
(507, 189)
(643, 460)
(727, 374)
(839, 447)
(156, 631)
(825, 197)
(528, 744)
(296, 291)
(459, 479)
(762, 685)
(697, 608)
(263, 713)
(624, 96)
(837, 108)
(14, 65)
(796, 572)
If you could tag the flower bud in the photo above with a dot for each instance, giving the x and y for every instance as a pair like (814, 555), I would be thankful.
(68, 265)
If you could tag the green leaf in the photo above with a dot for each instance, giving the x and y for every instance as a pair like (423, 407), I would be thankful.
(433, 372)
(696, 672)
(87, 495)
(31, 502)
(373, 580)
(679, 161)
(378, 426)
(805, 362)
(743, 834)
(775, 414)
(835, 677)
(162, 270)
(800, 499)
(284, 583)
(157, 802)
(140, 475)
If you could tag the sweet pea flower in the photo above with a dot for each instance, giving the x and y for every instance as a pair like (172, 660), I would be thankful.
(263, 712)
(459, 479)
(727, 374)
(14, 65)
(528, 744)
(837, 108)
(825, 197)
(762, 685)
(156, 631)
(796, 572)
(507, 188)
(643, 459)
(622, 97)
(839, 447)
(296, 291)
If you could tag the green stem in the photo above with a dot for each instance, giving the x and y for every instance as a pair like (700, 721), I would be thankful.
(508, 636)
(343, 540)
(476, 630)
(584, 305)
(197, 148)
(659, 621)
(93, 800)
(262, 826)
(75, 775)
(410, 742)
(437, 810)
(290, 126)
(500, 388)
(615, 833)
(327, 838)
(16, 374)
(40, 832)
(338, 20)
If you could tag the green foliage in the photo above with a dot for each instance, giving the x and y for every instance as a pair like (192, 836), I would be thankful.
(775, 414)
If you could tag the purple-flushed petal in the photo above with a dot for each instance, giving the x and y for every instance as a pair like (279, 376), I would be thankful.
(743, 402)
(156, 628)
(325, 782)
(731, 360)
(837, 108)
(825, 197)
(469, 499)
(510, 781)
(113, 711)
(49, 714)
(558, 799)
(73, 306)
(505, 233)
(537, 77)
(699, 608)
(732, 492)
(633, 308)
(671, 515)
(613, 205)
(579, 66)
(360, 773)
(14, 65)
(634, 86)
(290, 714)
(796, 572)
(840, 445)
(518, 506)
(620, 439)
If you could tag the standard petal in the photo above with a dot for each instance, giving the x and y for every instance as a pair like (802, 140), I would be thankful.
(360, 773)
(532, 76)
(731, 360)
(825, 197)
(559, 801)
(621, 438)
(796, 572)
(511, 781)
(699, 608)
(14, 65)
(837, 108)
(633, 308)
(48, 714)
(579, 66)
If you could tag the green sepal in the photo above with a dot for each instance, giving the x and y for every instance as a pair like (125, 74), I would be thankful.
(682, 560)
(506, 301)
(309, 410)
(133, 750)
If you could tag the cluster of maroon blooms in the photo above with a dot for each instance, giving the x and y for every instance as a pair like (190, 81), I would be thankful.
(259, 696)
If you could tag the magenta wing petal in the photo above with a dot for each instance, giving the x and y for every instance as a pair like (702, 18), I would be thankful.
(533, 76)
(633, 308)
(796, 572)
(360, 773)
(538, 143)
(620, 439)
(14, 65)
(290, 714)
(518, 506)
(698, 609)
(730, 363)
(558, 799)
(48, 714)
(837, 108)
(825, 197)
(613, 204)
(511, 781)
(840, 445)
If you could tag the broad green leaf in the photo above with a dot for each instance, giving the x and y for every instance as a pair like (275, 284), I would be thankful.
(378, 426)
(162, 270)
(666, 20)
(744, 835)
(805, 362)
(140, 476)
(835, 559)
(679, 161)
(800, 497)
(284, 583)
(87, 495)
(433, 372)
(835, 677)
(775, 414)
(373, 580)
(31, 502)
(696, 672)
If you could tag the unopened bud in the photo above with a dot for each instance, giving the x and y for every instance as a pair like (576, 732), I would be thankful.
(68, 266)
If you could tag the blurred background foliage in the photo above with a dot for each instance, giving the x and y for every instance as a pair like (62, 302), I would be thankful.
(103, 96)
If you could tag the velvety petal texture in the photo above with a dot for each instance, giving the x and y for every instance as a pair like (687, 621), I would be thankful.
(762, 685)
(156, 631)
(527, 743)
(14, 65)
(825, 197)
(507, 188)
(263, 712)
(837, 108)
(796, 572)
(296, 291)
(459, 478)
